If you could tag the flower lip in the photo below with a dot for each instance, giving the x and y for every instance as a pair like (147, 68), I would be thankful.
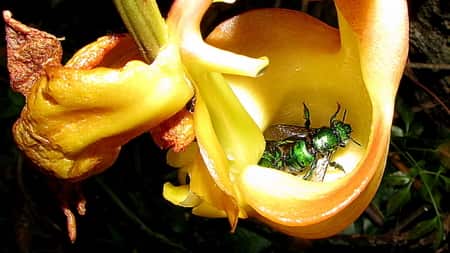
(319, 65)
(289, 80)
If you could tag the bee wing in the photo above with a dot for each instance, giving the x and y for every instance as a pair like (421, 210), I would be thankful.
(282, 132)
(320, 168)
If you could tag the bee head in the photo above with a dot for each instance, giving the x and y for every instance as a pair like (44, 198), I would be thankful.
(342, 130)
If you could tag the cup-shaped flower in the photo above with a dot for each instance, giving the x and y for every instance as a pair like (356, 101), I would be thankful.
(358, 66)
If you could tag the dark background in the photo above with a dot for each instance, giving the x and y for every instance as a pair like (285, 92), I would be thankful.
(126, 211)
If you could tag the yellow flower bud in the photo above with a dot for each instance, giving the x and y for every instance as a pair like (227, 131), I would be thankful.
(75, 120)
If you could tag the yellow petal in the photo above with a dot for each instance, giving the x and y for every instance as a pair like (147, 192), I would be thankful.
(184, 21)
(210, 211)
(183, 158)
(75, 121)
(213, 164)
(381, 29)
(218, 113)
(321, 66)
(180, 195)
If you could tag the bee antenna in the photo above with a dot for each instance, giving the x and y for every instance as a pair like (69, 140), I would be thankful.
(345, 114)
(333, 117)
(306, 116)
(354, 141)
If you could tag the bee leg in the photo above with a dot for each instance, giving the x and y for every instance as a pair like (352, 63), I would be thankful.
(306, 116)
(318, 169)
(337, 166)
(268, 160)
(291, 170)
(309, 175)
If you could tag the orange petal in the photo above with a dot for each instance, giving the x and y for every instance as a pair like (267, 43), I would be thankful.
(313, 63)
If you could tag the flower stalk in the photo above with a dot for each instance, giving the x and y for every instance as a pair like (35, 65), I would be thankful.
(145, 23)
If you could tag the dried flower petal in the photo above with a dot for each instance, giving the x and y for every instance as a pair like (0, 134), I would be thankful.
(113, 51)
(177, 132)
(29, 51)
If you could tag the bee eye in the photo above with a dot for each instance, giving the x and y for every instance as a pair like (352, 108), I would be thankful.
(347, 128)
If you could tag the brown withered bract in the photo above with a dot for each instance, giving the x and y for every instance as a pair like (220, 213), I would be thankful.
(176, 132)
(113, 50)
(29, 51)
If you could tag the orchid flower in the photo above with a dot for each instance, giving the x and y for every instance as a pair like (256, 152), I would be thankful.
(358, 65)
(77, 116)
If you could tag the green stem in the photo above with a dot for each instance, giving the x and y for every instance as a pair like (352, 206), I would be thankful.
(430, 150)
(145, 23)
(136, 219)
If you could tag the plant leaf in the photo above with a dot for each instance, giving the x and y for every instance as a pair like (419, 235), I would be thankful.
(422, 228)
(397, 131)
(398, 200)
(446, 182)
(406, 114)
(417, 129)
(397, 179)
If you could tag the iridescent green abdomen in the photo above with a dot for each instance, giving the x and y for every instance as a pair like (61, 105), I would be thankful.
(300, 157)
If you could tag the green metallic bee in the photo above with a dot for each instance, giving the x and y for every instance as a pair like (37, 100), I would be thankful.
(299, 149)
